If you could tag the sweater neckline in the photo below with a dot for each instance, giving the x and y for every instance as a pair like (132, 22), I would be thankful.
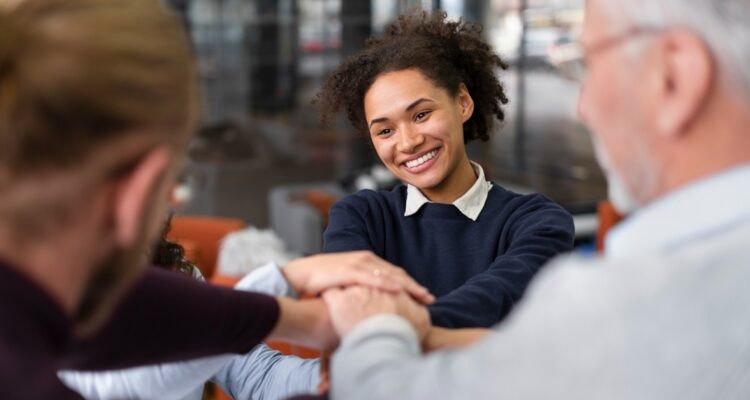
(450, 211)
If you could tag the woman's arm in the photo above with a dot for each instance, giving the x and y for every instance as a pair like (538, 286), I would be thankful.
(440, 338)
(539, 231)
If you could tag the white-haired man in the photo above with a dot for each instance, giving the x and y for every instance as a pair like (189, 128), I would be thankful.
(663, 314)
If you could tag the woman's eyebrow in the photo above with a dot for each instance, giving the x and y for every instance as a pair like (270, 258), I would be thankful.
(408, 108)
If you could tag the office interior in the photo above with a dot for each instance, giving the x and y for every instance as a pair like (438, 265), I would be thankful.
(262, 157)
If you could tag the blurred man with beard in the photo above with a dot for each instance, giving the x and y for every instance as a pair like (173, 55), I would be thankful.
(97, 101)
(663, 314)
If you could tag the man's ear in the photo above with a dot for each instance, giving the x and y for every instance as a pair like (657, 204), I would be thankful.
(134, 193)
(465, 102)
(688, 72)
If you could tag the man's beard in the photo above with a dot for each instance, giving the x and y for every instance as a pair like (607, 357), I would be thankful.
(621, 197)
(110, 280)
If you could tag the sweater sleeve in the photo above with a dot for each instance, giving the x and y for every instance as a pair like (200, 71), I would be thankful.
(168, 317)
(539, 230)
(348, 229)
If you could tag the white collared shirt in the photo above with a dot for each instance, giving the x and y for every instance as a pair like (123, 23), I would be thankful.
(470, 203)
(693, 212)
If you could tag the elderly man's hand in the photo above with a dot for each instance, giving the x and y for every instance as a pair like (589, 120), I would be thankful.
(318, 273)
(350, 306)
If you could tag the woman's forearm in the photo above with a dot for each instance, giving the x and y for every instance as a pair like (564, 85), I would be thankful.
(441, 338)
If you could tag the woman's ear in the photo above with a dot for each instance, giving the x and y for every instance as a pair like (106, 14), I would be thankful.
(136, 192)
(465, 102)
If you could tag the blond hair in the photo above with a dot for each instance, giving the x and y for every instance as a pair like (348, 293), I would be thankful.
(77, 76)
(76, 73)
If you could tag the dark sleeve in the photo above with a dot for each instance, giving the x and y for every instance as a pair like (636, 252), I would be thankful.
(169, 317)
(323, 396)
(348, 229)
(539, 230)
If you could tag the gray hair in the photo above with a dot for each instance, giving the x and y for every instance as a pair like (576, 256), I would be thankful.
(723, 25)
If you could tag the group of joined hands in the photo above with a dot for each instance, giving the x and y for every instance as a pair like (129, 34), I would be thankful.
(349, 288)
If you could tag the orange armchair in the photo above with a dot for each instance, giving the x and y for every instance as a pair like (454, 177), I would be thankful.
(201, 237)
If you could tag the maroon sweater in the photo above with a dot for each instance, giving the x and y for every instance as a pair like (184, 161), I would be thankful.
(165, 317)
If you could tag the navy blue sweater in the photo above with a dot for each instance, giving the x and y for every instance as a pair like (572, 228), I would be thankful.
(476, 269)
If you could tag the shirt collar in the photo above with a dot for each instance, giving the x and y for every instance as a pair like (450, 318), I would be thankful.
(693, 212)
(470, 203)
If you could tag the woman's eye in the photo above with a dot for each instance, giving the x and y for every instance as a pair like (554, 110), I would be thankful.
(386, 131)
(421, 115)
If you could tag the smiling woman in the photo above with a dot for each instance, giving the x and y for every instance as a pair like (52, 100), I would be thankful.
(421, 141)
(421, 92)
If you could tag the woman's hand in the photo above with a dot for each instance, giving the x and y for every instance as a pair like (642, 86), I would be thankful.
(305, 322)
(348, 307)
(318, 273)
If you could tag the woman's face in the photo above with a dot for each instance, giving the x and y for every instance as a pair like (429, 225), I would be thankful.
(417, 131)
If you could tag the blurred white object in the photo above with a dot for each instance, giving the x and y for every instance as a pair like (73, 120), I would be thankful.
(364, 182)
(182, 194)
(244, 251)
(382, 175)
(377, 177)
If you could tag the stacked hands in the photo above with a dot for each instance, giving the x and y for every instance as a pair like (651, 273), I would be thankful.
(354, 286)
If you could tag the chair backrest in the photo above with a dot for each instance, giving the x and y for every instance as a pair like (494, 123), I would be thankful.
(202, 237)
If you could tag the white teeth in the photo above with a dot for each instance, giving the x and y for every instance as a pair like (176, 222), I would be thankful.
(421, 160)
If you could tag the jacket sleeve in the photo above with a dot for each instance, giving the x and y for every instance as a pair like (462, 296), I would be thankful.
(539, 230)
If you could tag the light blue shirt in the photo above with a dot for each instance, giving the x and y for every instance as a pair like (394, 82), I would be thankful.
(688, 214)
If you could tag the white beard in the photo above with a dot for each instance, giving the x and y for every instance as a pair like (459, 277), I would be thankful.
(621, 197)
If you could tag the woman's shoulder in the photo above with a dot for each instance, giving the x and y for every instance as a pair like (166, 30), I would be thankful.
(500, 196)
(367, 199)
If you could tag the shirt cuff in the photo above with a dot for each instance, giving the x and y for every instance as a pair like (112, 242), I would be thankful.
(383, 324)
(269, 280)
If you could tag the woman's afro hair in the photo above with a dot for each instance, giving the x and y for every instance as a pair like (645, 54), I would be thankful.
(447, 52)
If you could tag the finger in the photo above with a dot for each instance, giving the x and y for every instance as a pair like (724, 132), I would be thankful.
(393, 278)
(377, 281)
(332, 295)
(421, 295)
(376, 278)
(408, 284)
(414, 289)
(395, 272)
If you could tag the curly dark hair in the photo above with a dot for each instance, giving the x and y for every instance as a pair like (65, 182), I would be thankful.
(448, 53)
(170, 255)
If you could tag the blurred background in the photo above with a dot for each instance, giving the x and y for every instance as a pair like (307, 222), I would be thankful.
(262, 149)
